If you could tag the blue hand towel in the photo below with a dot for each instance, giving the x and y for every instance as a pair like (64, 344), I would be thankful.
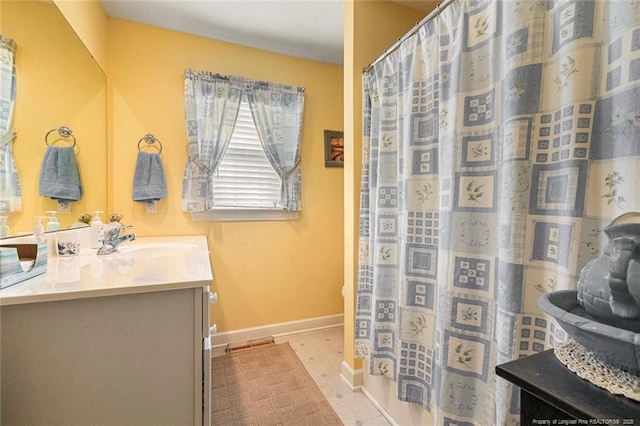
(59, 176)
(149, 183)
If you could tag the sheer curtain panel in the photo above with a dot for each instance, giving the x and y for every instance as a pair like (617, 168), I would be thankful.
(277, 111)
(212, 102)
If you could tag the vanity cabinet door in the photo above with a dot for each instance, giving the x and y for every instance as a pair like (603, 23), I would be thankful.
(128, 359)
(206, 358)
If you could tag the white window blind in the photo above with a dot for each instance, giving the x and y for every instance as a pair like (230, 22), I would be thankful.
(245, 179)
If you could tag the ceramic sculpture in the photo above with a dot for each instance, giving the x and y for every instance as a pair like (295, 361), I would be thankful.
(604, 313)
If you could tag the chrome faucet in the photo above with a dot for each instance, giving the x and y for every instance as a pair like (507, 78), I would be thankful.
(112, 239)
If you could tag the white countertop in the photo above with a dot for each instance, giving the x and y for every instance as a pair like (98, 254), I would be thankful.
(145, 265)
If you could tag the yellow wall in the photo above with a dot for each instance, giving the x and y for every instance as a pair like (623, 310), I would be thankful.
(90, 23)
(370, 28)
(58, 84)
(265, 272)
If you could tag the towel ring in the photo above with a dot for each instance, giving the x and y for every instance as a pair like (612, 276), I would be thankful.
(150, 139)
(64, 132)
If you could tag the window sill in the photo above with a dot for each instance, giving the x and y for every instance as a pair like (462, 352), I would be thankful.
(231, 215)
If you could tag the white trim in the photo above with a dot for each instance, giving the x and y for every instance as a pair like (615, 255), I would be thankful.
(353, 378)
(242, 215)
(379, 407)
(219, 341)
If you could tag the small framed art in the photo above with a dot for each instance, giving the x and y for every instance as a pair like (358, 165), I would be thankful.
(333, 148)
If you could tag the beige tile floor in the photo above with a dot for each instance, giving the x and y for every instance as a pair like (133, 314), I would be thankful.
(321, 353)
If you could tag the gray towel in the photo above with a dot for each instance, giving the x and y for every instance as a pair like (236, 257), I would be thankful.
(149, 183)
(59, 176)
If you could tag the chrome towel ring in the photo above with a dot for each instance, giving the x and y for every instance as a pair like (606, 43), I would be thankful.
(64, 132)
(150, 139)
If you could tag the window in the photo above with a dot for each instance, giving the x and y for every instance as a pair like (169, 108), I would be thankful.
(243, 185)
(245, 179)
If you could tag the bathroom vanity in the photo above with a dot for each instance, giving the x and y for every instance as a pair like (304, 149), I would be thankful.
(117, 339)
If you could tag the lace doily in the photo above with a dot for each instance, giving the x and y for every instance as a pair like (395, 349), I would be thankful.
(578, 359)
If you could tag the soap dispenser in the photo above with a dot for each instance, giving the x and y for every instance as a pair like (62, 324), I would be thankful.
(53, 224)
(38, 230)
(97, 232)
(4, 228)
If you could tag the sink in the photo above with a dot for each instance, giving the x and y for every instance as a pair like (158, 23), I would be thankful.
(147, 250)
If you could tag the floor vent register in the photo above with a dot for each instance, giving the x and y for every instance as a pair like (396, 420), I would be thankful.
(250, 344)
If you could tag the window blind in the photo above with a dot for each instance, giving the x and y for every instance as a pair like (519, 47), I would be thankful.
(245, 179)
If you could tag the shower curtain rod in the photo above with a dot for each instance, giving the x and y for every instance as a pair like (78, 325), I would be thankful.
(435, 12)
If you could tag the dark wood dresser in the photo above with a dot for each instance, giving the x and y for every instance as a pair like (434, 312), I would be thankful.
(550, 391)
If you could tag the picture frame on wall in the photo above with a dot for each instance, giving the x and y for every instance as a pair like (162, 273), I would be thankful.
(333, 148)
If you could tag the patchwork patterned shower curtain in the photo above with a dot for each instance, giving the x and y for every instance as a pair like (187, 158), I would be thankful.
(500, 139)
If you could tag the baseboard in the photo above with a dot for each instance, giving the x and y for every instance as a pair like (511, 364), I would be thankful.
(379, 407)
(219, 341)
(353, 378)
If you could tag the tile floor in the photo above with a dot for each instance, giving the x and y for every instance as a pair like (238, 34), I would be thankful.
(321, 353)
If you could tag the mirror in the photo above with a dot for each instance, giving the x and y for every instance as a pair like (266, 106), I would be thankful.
(58, 84)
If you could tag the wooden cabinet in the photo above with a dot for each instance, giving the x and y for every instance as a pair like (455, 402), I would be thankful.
(133, 359)
(551, 392)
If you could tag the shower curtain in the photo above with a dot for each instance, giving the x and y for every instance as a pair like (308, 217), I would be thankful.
(10, 193)
(500, 139)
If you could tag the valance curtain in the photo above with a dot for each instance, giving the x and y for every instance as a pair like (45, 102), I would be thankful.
(212, 103)
(10, 193)
(277, 112)
(500, 139)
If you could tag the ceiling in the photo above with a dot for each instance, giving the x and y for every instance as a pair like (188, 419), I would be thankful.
(311, 29)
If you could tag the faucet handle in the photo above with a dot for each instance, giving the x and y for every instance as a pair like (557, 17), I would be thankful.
(114, 231)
